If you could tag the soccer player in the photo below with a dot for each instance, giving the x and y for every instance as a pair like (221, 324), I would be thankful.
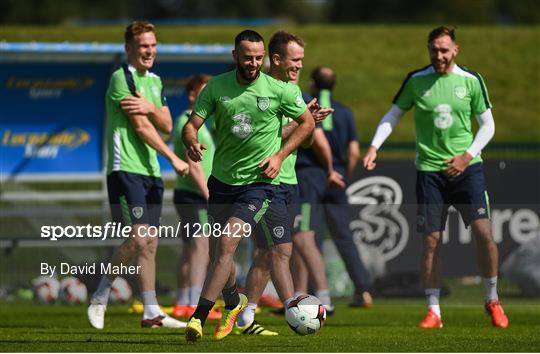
(340, 131)
(315, 171)
(190, 201)
(135, 109)
(449, 167)
(273, 253)
(247, 106)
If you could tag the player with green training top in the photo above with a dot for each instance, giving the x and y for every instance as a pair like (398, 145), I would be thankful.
(449, 167)
(273, 235)
(247, 106)
(135, 109)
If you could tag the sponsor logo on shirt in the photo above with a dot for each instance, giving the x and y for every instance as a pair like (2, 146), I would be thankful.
(242, 125)
(444, 119)
(263, 103)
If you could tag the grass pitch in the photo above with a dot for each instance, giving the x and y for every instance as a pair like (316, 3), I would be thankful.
(388, 327)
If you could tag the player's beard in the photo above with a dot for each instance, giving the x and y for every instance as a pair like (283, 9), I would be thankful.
(244, 73)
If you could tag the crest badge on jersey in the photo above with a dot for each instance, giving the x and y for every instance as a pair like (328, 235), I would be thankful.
(460, 91)
(263, 103)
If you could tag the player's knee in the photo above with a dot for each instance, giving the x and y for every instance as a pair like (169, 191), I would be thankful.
(484, 237)
(201, 248)
(227, 245)
(263, 257)
(431, 242)
(281, 253)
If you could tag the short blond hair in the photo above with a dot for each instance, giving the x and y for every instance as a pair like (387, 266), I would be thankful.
(136, 28)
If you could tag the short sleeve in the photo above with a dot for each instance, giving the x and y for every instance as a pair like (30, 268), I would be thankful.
(118, 88)
(204, 106)
(479, 96)
(163, 98)
(292, 102)
(404, 97)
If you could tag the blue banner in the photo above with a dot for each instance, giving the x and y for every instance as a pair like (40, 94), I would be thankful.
(53, 113)
(52, 117)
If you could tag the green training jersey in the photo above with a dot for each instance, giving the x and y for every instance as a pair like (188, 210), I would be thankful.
(204, 136)
(287, 173)
(444, 106)
(248, 123)
(126, 150)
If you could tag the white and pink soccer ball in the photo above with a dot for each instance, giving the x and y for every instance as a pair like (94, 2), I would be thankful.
(45, 289)
(120, 291)
(72, 291)
(305, 314)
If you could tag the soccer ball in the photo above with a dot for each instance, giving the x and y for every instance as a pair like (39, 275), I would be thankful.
(305, 314)
(45, 289)
(120, 291)
(72, 291)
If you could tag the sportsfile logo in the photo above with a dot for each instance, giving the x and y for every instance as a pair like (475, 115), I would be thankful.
(118, 230)
(380, 224)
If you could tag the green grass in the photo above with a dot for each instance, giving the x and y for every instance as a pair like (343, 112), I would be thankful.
(388, 327)
(371, 62)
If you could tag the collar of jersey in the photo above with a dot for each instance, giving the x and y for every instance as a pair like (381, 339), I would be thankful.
(134, 71)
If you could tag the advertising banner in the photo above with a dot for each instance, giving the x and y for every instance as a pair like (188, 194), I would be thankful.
(384, 223)
(52, 117)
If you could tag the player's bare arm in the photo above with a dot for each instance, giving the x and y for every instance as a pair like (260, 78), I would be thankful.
(317, 112)
(197, 174)
(323, 151)
(190, 140)
(369, 158)
(149, 134)
(457, 164)
(160, 117)
(353, 154)
(306, 124)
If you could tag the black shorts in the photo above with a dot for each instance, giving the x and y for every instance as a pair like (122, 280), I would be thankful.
(312, 183)
(435, 192)
(192, 210)
(248, 203)
(135, 198)
(276, 224)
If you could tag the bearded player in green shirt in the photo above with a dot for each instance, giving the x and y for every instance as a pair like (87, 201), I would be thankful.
(273, 238)
(247, 106)
(135, 109)
(449, 167)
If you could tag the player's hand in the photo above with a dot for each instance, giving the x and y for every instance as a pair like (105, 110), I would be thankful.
(273, 165)
(136, 105)
(319, 113)
(195, 152)
(335, 179)
(369, 158)
(457, 164)
(181, 167)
